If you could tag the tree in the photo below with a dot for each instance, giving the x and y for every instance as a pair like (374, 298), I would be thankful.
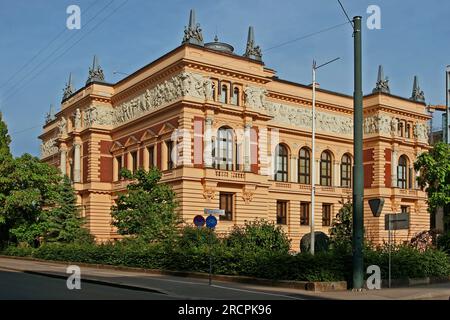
(147, 210)
(30, 186)
(341, 231)
(37, 204)
(434, 178)
(5, 169)
(63, 222)
(5, 140)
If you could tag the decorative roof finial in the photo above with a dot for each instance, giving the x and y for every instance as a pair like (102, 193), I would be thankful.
(382, 82)
(50, 115)
(417, 94)
(69, 89)
(252, 51)
(96, 72)
(193, 33)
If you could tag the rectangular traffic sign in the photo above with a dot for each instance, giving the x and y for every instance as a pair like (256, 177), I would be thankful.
(397, 221)
(218, 212)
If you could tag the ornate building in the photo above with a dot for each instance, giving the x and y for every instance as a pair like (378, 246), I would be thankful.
(228, 133)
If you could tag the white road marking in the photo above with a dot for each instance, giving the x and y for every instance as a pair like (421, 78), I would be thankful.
(257, 292)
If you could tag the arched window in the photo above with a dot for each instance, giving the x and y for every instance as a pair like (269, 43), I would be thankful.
(346, 171)
(325, 169)
(281, 163)
(304, 166)
(224, 149)
(224, 94)
(402, 169)
(235, 97)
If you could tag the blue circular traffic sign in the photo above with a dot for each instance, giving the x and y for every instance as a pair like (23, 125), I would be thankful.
(199, 221)
(211, 222)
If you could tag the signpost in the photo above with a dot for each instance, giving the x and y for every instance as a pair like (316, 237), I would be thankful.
(394, 222)
(211, 222)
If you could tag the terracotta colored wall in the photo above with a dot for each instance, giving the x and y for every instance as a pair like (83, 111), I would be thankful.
(368, 155)
(368, 175)
(106, 169)
(387, 168)
(105, 146)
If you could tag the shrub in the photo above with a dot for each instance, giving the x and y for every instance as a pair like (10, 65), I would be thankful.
(259, 235)
(321, 242)
(408, 262)
(194, 237)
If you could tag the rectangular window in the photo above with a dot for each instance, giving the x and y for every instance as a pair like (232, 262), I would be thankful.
(282, 212)
(304, 213)
(408, 131)
(169, 154)
(404, 209)
(151, 157)
(119, 167)
(134, 161)
(326, 215)
(226, 203)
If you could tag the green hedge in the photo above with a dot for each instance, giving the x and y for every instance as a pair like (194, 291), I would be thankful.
(325, 266)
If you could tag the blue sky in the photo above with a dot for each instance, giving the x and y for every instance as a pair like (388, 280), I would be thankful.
(413, 40)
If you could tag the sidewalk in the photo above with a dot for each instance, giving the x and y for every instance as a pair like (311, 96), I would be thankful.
(197, 289)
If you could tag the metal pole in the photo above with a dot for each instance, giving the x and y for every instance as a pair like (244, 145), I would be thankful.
(447, 99)
(313, 157)
(313, 151)
(210, 256)
(390, 248)
(358, 173)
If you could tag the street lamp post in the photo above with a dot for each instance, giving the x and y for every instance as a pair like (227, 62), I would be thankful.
(358, 173)
(313, 150)
(446, 129)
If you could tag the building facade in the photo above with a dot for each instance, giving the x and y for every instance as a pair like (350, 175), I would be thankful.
(227, 133)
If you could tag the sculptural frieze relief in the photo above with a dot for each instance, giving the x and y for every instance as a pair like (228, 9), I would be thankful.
(184, 84)
(420, 131)
(297, 116)
(49, 148)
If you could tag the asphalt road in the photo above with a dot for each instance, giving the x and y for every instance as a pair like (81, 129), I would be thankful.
(16, 282)
(29, 279)
(18, 285)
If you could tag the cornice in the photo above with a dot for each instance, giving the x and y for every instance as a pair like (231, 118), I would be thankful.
(397, 111)
(219, 71)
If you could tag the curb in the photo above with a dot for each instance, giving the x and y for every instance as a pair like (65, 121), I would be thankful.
(314, 286)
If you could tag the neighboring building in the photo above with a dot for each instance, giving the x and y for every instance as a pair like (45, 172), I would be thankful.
(437, 221)
(240, 140)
